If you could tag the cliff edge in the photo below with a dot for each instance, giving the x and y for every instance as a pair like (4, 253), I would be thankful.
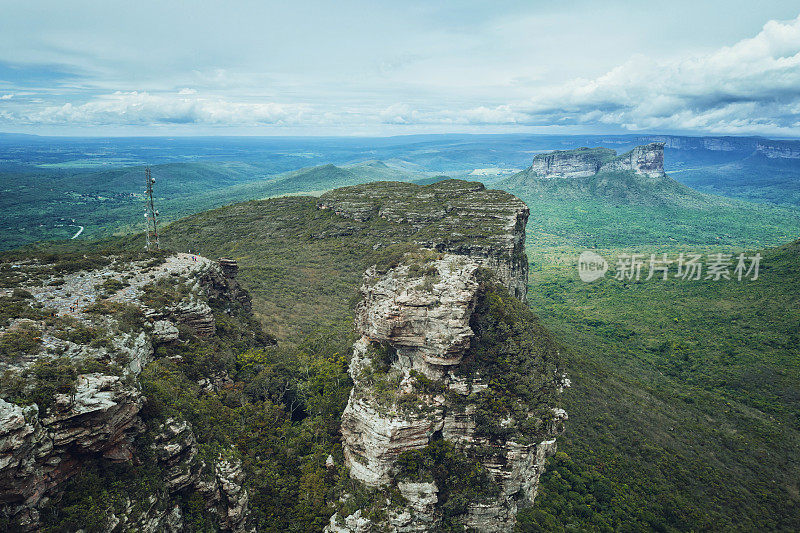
(75, 335)
(454, 405)
(647, 160)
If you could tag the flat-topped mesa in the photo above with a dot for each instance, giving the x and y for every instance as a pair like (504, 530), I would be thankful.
(580, 163)
(647, 160)
(452, 216)
(585, 162)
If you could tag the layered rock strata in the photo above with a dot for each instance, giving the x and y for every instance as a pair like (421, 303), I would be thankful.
(38, 453)
(452, 216)
(42, 448)
(418, 382)
(646, 160)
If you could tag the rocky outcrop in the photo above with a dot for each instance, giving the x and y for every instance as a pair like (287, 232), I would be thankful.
(100, 419)
(228, 495)
(423, 310)
(216, 283)
(197, 315)
(779, 149)
(418, 380)
(175, 447)
(579, 163)
(220, 284)
(452, 216)
(175, 450)
(164, 332)
(646, 160)
(37, 453)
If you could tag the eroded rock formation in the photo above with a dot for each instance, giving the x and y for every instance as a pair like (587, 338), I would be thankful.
(423, 372)
(99, 419)
(453, 216)
(38, 453)
(647, 160)
(579, 163)
(584, 162)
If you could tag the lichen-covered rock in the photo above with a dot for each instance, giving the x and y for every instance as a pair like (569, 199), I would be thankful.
(39, 453)
(232, 504)
(353, 523)
(424, 315)
(425, 371)
(197, 315)
(375, 438)
(164, 332)
(125, 309)
(452, 216)
(175, 447)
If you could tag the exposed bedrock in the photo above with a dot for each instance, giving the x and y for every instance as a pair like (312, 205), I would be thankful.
(421, 380)
(454, 216)
(585, 162)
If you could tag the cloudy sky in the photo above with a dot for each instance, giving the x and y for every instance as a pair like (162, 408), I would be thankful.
(387, 67)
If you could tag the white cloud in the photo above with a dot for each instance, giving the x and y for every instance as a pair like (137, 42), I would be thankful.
(142, 108)
(405, 114)
(753, 85)
(456, 80)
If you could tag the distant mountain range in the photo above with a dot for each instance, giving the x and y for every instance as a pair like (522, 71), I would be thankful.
(98, 182)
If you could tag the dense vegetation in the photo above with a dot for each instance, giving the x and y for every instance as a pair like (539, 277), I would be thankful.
(684, 412)
(520, 361)
(279, 414)
(53, 203)
(684, 407)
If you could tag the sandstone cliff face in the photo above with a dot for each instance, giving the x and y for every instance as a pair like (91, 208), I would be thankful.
(450, 216)
(778, 150)
(646, 160)
(114, 327)
(422, 373)
(39, 453)
(579, 163)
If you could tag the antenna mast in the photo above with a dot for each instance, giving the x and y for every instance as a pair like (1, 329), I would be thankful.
(150, 213)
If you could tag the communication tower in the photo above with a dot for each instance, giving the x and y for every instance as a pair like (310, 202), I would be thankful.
(150, 212)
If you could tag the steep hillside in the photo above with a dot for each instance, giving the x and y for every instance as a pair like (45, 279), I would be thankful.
(684, 407)
(302, 261)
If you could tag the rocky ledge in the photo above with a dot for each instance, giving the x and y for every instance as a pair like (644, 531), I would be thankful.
(72, 345)
(454, 399)
(454, 216)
